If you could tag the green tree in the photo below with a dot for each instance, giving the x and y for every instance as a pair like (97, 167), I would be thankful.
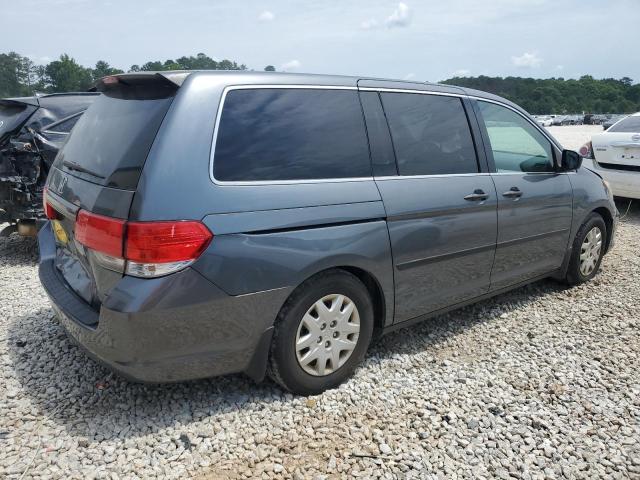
(269, 68)
(103, 69)
(66, 75)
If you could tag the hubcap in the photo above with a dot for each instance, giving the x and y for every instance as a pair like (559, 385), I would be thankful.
(590, 251)
(327, 335)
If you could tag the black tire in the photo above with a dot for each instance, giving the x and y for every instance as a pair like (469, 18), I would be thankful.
(574, 275)
(283, 366)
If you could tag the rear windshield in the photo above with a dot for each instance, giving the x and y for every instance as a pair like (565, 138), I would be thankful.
(628, 125)
(111, 141)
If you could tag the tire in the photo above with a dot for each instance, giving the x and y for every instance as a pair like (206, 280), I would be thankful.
(575, 273)
(284, 365)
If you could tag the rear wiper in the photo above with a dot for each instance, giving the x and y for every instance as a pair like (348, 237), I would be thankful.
(80, 168)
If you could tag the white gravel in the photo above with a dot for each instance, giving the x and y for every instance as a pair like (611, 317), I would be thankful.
(543, 382)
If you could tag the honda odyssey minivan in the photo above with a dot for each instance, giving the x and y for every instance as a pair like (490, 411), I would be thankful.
(204, 223)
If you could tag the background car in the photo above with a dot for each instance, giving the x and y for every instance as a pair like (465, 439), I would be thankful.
(32, 130)
(615, 155)
(612, 120)
(544, 120)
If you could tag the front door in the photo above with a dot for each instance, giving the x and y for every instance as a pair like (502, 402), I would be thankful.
(441, 208)
(534, 201)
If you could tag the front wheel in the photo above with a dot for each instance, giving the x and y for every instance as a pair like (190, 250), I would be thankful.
(322, 333)
(588, 250)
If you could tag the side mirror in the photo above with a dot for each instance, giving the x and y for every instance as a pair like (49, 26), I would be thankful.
(570, 160)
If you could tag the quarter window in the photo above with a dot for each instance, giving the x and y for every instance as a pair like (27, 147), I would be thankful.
(291, 134)
(517, 146)
(430, 134)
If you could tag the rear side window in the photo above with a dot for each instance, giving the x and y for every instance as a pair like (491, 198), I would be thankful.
(430, 134)
(290, 134)
(112, 139)
(627, 125)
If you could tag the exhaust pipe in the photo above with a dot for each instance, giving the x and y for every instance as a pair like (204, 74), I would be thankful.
(27, 228)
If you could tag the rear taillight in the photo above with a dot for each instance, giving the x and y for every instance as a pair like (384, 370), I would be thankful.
(146, 249)
(100, 233)
(586, 151)
(49, 211)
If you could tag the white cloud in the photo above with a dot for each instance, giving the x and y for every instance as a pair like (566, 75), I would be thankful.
(527, 60)
(38, 60)
(291, 65)
(559, 67)
(266, 16)
(463, 72)
(401, 16)
(409, 76)
(369, 24)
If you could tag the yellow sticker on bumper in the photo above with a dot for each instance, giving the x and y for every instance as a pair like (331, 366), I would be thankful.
(60, 234)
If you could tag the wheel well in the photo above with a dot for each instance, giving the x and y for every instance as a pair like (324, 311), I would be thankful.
(608, 221)
(375, 291)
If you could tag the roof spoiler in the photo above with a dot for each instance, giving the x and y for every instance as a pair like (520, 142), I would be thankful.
(173, 78)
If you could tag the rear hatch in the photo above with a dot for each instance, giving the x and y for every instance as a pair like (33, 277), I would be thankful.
(619, 147)
(94, 178)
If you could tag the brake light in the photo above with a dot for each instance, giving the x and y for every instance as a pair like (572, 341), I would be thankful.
(49, 211)
(143, 249)
(163, 242)
(104, 234)
(587, 150)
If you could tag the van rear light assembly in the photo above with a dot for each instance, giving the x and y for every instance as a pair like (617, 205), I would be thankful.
(157, 248)
(142, 249)
(49, 211)
(100, 233)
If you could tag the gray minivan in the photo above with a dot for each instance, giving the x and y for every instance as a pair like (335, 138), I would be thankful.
(204, 223)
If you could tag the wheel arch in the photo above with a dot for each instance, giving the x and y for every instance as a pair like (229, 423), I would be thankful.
(608, 221)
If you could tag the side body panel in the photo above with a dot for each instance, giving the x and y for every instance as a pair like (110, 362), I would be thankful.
(443, 245)
(533, 230)
(267, 235)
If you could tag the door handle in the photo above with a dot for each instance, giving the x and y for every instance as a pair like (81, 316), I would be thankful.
(477, 196)
(513, 192)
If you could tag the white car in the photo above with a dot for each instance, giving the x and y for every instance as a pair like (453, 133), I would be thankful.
(615, 155)
(544, 120)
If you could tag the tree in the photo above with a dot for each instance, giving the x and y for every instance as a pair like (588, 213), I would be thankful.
(103, 69)
(269, 68)
(66, 75)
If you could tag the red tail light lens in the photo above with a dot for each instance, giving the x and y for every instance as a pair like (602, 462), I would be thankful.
(143, 249)
(49, 211)
(586, 150)
(165, 242)
(104, 234)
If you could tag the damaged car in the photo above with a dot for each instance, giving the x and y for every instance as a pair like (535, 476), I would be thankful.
(32, 130)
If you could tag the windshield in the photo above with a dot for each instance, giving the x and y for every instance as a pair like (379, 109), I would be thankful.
(627, 125)
(110, 142)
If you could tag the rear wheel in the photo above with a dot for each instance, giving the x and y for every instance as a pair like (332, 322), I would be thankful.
(588, 250)
(322, 333)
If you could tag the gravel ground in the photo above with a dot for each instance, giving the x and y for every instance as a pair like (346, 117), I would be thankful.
(542, 382)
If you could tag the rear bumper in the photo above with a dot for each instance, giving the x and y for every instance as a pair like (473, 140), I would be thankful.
(623, 183)
(173, 328)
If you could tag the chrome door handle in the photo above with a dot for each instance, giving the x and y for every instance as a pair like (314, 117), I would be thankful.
(513, 192)
(477, 196)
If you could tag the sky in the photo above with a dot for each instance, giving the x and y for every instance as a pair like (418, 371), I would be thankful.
(424, 40)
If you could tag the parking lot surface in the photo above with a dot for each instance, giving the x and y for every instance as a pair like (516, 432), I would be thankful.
(542, 382)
